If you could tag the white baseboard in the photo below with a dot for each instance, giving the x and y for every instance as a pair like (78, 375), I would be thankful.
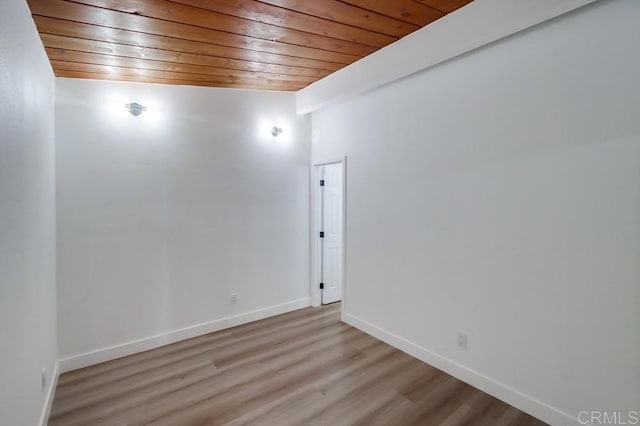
(499, 390)
(130, 348)
(46, 410)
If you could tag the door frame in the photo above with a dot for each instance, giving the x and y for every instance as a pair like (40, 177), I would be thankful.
(315, 231)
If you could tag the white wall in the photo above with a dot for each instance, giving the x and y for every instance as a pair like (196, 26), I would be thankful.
(163, 216)
(499, 195)
(477, 24)
(27, 219)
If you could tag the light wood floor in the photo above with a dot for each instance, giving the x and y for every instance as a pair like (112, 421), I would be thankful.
(304, 367)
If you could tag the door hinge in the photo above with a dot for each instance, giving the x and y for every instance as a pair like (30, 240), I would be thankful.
(321, 234)
(321, 286)
(321, 182)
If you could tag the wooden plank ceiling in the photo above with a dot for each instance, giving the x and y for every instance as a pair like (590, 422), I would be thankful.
(255, 44)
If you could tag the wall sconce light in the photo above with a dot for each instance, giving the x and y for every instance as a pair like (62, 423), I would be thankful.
(275, 131)
(135, 108)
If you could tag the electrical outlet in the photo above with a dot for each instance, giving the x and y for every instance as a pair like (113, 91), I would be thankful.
(234, 298)
(43, 379)
(462, 340)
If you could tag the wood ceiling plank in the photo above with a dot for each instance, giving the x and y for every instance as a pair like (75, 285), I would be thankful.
(142, 79)
(106, 69)
(59, 55)
(268, 14)
(54, 42)
(402, 10)
(109, 18)
(446, 6)
(261, 44)
(336, 11)
(217, 55)
(205, 18)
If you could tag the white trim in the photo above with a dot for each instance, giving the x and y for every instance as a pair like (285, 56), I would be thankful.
(314, 291)
(46, 410)
(130, 348)
(344, 238)
(315, 229)
(491, 386)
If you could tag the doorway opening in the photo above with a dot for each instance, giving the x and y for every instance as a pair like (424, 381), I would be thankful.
(329, 241)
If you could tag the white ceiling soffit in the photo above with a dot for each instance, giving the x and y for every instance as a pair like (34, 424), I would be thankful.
(475, 25)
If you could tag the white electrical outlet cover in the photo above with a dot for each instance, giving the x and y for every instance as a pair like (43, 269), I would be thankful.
(462, 340)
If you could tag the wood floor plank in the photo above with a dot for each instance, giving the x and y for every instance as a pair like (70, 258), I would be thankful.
(128, 384)
(224, 407)
(301, 368)
(209, 342)
(274, 409)
(84, 374)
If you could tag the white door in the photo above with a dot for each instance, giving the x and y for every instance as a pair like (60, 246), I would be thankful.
(331, 226)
